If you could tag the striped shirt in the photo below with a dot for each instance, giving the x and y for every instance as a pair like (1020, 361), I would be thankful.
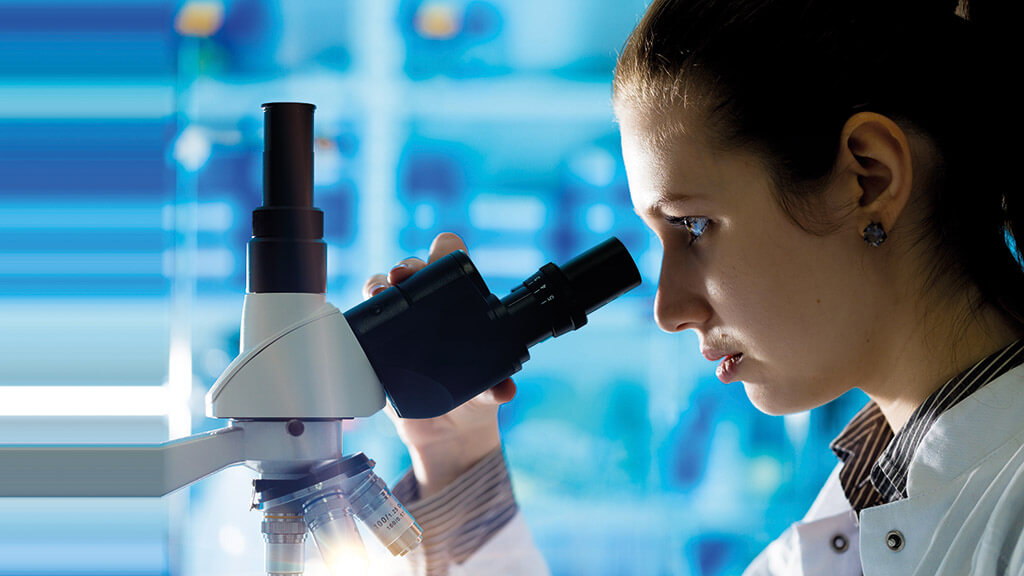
(876, 462)
(461, 518)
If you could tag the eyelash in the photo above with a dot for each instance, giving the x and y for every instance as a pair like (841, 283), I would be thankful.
(687, 223)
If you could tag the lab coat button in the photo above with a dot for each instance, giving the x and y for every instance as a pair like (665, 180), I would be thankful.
(894, 540)
(840, 543)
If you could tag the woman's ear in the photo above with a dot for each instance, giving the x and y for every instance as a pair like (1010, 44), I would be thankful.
(875, 164)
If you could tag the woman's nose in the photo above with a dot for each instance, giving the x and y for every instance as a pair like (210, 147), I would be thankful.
(679, 305)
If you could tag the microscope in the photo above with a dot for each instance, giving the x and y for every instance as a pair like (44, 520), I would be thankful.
(427, 345)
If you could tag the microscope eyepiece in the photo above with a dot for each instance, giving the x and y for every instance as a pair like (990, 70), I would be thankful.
(287, 252)
(556, 299)
(440, 338)
(601, 274)
(288, 154)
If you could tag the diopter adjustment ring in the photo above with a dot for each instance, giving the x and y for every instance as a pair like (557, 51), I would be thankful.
(551, 288)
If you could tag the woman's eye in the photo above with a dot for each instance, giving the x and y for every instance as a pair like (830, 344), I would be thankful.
(694, 225)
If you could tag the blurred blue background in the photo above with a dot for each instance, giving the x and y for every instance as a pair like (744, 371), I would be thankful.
(130, 159)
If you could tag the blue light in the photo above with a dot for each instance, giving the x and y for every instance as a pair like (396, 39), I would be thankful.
(1011, 243)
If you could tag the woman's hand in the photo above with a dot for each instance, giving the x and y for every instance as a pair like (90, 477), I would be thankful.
(443, 448)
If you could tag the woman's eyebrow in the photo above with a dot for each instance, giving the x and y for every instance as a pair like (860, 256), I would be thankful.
(655, 209)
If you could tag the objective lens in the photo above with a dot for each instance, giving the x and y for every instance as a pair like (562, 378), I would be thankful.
(330, 521)
(384, 515)
(284, 534)
(328, 497)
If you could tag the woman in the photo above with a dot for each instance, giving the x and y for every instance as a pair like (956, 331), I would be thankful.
(834, 214)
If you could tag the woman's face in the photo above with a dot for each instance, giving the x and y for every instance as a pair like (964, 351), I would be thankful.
(799, 307)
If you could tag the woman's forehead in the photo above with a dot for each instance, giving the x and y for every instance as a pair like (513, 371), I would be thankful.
(683, 170)
(675, 163)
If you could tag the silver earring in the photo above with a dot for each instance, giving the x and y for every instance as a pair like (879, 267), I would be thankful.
(874, 235)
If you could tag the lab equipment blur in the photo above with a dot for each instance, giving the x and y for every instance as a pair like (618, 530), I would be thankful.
(429, 344)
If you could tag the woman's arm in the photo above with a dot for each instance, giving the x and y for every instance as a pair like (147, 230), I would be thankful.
(459, 489)
(463, 517)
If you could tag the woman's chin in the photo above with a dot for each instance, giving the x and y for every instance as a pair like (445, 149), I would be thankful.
(774, 403)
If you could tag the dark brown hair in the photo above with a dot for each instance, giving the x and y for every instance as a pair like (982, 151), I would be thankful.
(781, 78)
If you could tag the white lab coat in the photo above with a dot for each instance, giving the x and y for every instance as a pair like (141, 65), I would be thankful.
(964, 514)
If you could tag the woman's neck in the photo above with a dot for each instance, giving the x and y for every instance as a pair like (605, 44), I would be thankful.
(934, 349)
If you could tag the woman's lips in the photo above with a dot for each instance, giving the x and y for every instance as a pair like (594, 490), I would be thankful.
(726, 371)
(714, 355)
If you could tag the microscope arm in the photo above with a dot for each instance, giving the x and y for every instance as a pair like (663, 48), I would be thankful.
(275, 449)
(117, 470)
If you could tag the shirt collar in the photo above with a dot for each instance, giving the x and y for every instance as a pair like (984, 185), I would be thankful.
(875, 461)
(859, 446)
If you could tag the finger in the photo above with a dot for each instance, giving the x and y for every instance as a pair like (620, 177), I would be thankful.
(500, 393)
(404, 269)
(504, 391)
(374, 285)
(445, 243)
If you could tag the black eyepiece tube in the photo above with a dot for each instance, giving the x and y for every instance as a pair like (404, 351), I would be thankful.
(440, 338)
(601, 274)
(556, 299)
(287, 252)
(288, 154)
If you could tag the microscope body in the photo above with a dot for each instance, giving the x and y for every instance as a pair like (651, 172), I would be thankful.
(299, 360)
(428, 345)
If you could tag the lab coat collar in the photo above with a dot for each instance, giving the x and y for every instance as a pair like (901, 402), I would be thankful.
(968, 433)
(955, 448)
